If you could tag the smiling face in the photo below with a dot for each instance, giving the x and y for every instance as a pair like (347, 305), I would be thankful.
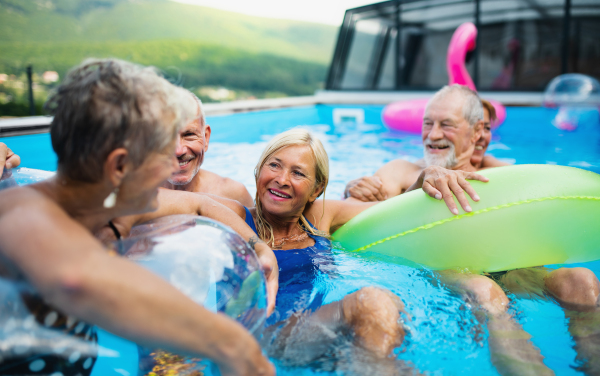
(286, 182)
(484, 141)
(191, 146)
(446, 133)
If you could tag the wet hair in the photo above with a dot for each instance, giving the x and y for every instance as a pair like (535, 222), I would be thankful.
(491, 110)
(292, 137)
(472, 110)
(107, 104)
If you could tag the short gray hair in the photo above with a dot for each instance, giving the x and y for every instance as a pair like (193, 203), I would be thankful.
(472, 110)
(106, 104)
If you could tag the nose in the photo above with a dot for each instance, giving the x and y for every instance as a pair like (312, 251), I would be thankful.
(283, 178)
(180, 148)
(436, 132)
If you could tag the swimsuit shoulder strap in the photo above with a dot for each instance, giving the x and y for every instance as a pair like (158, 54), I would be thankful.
(250, 220)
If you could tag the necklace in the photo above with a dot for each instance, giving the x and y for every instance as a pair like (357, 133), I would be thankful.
(278, 243)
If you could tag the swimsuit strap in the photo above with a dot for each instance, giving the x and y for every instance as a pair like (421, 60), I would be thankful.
(114, 229)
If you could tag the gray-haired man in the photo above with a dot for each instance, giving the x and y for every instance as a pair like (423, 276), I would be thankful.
(452, 124)
(191, 146)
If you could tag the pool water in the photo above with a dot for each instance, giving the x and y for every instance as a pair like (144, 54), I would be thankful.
(444, 334)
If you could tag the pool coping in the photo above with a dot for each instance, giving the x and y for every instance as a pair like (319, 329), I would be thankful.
(41, 124)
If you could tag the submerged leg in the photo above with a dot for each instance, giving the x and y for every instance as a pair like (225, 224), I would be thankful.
(577, 290)
(512, 351)
(573, 286)
(373, 314)
(370, 316)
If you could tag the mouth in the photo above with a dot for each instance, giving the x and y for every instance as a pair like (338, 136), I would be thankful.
(435, 148)
(478, 147)
(184, 163)
(279, 194)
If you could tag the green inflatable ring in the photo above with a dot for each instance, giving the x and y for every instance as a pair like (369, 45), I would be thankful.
(528, 215)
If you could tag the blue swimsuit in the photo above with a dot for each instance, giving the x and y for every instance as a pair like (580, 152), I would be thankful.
(298, 271)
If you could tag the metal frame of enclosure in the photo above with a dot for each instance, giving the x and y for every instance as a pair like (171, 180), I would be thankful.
(521, 44)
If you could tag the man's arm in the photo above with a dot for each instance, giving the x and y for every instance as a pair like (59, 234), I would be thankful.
(8, 159)
(76, 275)
(389, 181)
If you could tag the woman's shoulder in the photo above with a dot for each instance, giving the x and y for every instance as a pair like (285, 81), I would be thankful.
(321, 213)
(24, 199)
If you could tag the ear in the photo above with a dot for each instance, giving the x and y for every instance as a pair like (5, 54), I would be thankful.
(317, 192)
(207, 131)
(477, 131)
(117, 166)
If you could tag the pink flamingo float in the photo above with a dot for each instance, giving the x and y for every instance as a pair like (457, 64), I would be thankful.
(407, 116)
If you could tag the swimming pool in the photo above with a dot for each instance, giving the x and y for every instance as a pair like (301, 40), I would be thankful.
(445, 337)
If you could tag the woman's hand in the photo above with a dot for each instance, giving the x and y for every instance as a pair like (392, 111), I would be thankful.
(441, 183)
(268, 263)
(8, 159)
(246, 360)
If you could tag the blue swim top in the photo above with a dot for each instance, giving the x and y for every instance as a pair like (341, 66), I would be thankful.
(298, 272)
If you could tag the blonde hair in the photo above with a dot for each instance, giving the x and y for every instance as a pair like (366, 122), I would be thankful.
(293, 137)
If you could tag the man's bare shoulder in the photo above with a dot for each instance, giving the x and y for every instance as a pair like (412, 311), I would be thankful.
(491, 162)
(397, 169)
(225, 187)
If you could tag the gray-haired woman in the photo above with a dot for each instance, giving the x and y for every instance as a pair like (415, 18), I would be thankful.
(114, 131)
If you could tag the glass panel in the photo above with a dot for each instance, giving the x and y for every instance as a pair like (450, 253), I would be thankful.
(387, 77)
(365, 37)
(520, 43)
(584, 46)
(427, 27)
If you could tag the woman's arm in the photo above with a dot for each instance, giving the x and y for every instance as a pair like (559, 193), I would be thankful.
(73, 273)
(329, 215)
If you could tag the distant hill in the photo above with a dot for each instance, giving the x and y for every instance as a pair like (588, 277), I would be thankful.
(146, 20)
(196, 47)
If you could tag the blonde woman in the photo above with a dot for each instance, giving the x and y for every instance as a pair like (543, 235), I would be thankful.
(291, 174)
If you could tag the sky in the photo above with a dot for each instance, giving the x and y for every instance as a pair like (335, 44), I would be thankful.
(329, 12)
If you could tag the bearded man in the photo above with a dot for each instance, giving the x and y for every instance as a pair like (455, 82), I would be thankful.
(452, 124)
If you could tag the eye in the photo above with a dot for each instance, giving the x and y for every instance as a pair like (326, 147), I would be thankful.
(489, 129)
(273, 164)
(298, 173)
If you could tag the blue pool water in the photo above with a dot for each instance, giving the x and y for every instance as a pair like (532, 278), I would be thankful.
(444, 335)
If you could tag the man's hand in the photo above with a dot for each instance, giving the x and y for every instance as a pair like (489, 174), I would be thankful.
(367, 189)
(268, 263)
(8, 159)
(440, 183)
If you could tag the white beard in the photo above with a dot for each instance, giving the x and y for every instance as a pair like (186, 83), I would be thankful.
(448, 161)
(178, 182)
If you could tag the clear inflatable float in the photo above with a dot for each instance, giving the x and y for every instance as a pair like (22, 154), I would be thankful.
(204, 259)
(577, 98)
